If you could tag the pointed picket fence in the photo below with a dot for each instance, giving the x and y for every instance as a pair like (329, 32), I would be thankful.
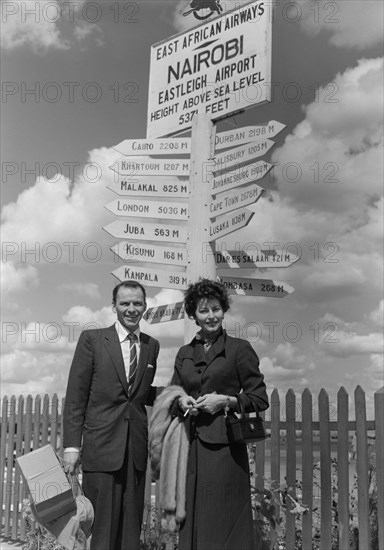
(303, 439)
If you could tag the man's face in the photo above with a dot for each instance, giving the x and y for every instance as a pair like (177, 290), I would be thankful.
(129, 307)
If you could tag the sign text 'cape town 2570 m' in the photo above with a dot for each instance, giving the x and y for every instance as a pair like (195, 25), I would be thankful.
(216, 68)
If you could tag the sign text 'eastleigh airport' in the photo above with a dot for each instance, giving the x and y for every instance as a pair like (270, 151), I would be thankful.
(218, 68)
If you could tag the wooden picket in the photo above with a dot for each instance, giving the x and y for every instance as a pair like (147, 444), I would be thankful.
(28, 424)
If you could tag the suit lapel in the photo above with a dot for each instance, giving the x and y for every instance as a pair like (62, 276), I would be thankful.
(111, 342)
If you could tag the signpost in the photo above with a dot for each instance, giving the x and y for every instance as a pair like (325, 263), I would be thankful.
(207, 73)
(243, 196)
(256, 287)
(152, 277)
(228, 223)
(234, 259)
(165, 146)
(147, 231)
(149, 166)
(216, 68)
(240, 176)
(242, 154)
(161, 186)
(149, 209)
(161, 314)
(145, 252)
(247, 133)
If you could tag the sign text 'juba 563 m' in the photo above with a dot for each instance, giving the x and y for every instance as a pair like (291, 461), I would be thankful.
(141, 231)
(216, 68)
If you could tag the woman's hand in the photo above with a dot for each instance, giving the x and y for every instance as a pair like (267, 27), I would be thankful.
(211, 403)
(188, 404)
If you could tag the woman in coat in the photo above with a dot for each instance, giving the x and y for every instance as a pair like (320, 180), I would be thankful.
(213, 369)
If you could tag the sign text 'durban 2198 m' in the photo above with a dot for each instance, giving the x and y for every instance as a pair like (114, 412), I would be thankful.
(216, 68)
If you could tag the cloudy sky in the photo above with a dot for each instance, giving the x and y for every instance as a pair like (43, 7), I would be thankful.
(75, 84)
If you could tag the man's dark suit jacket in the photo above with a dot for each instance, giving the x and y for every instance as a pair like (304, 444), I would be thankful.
(100, 414)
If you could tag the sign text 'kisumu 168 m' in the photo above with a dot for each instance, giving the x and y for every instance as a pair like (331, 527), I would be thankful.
(217, 68)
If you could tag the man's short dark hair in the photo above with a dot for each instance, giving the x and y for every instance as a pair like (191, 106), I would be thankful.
(128, 284)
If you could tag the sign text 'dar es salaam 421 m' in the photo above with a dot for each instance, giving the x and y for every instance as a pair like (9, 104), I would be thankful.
(237, 198)
(256, 287)
(151, 166)
(240, 176)
(146, 186)
(162, 314)
(241, 154)
(164, 146)
(234, 259)
(239, 136)
(133, 252)
(218, 68)
(147, 231)
(152, 277)
(149, 209)
(229, 223)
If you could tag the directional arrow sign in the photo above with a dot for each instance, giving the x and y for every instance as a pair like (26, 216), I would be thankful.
(262, 258)
(247, 134)
(256, 287)
(147, 231)
(161, 186)
(161, 146)
(149, 166)
(228, 223)
(226, 202)
(235, 178)
(145, 252)
(242, 154)
(152, 277)
(162, 314)
(149, 209)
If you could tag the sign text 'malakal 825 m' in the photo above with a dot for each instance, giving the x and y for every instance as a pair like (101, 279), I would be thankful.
(217, 68)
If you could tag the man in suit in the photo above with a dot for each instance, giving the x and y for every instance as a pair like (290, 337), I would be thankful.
(105, 420)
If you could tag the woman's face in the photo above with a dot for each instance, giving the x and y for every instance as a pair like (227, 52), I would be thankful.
(209, 315)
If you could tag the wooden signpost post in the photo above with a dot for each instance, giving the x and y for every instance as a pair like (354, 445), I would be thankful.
(198, 77)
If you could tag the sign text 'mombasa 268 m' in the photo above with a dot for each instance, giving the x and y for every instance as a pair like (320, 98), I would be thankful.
(216, 68)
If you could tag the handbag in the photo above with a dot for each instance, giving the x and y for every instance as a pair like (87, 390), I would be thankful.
(244, 427)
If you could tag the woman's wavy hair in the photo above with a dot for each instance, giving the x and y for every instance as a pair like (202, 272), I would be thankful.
(205, 288)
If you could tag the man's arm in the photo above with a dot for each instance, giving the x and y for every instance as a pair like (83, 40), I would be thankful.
(76, 400)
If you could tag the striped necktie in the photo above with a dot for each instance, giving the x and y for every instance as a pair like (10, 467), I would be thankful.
(132, 357)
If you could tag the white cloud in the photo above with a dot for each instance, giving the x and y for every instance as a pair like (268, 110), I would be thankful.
(351, 343)
(25, 372)
(90, 290)
(350, 24)
(87, 318)
(17, 279)
(32, 25)
(377, 315)
(84, 29)
(47, 24)
(332, 161)
(71, 210)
